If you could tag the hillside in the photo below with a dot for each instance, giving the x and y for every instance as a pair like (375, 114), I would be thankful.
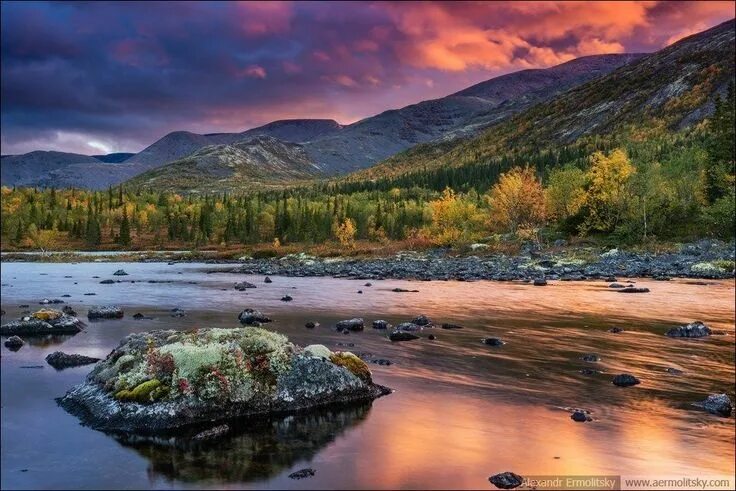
(25, 169)
(256, 161)
(669, 90)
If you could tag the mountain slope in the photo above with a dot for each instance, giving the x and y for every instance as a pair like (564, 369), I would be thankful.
(114, 158)
(25, 169)
(256, 161)
(666, 91)
(466, 112)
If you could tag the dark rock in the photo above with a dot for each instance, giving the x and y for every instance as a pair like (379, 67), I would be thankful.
(311, 325)
(381, 324)
(589, 371)
(68, 310)
(379, 361)
(633, 289)
(451, 326)
(251, 316)
(409, 326)
(66, 295)
(492, 342)
(625, 380)
(579, 416)
(302, 474)
(355, 324)
(267, 280)
(177, 312)
(403, 290)
(616, 330)
(138, 316)
(506, 480)
(611, 279)
(398, 335)
(60, 360)
(120, 272)
(540, 282)
(24, 306)
(107, 282)
(345, 331)
(90, 294)
(105, 312)
(718, 404)
(243, 285)
(211, 433)
(368, 284)
(422, 320)
(431, 337)
(360, 291)
(590, 357)
(693, 330)
(286, 298)
(673, 371)
(14, 343)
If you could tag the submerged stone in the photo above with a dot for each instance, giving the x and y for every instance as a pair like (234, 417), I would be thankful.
(166, 380)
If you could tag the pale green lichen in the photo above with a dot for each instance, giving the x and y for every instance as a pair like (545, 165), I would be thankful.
(189, 359)
(707, 268)
(318, 351)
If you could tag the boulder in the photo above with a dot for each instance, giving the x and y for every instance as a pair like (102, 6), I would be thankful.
(244, 285)
(625, 380)
(138, 316)
(404, 290)
(46, 301)
(506, 480)
(399, 335)
(14, 343)
(355, 324)
(43, 322)
(252, 316)
(616, 285)
(160, 381)
(211, 433)
(381, 324)
(693, 330)
(492, 342)
(105, 312)
(718, 404)
(60, 360)
(431, 337)
(177, 312)
(120, 272)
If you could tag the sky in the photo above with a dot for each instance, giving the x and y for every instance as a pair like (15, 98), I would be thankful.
(100, 77)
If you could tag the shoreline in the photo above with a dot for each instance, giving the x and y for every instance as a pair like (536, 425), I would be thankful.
(707, 259)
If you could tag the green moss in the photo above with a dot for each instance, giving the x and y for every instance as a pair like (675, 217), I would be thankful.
(355, 365)
(148, 391)
(191, 358)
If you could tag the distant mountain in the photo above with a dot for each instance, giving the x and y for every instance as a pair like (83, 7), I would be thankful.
(665, 91)
(25, 170)
(254, 162)
(114, 158)
(467, 112)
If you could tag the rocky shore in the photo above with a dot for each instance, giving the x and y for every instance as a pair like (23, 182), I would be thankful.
(703, 260)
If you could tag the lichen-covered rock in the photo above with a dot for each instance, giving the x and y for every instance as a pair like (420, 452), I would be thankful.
(251, 317)
(719, 404)
(355, 324)
(105, 312)
(693, 330)
(164, 380)
(43, 322)
(61, 360)
(14, 343)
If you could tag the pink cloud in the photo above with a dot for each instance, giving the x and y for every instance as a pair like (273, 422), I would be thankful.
(252, 71)
(262, 18)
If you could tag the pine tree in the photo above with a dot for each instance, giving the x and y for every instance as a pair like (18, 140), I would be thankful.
(124, 238)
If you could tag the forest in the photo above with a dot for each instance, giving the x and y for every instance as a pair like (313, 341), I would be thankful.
(674, 186)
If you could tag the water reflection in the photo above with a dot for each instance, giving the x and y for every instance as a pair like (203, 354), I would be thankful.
(252, 450)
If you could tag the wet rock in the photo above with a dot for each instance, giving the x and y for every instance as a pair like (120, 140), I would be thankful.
(14, 343)
(718, 404)
(105, 312)
(66, 295)
(287, 298)
(409, 326)
(693, 330)
(540, 282)
(360, 291)
(212, 433)
(421, 320)
(616, 285)
(311, 325)
(244, 285)
(579, 417)
(138, 316)
(450, 326)
(120, 272)
(379, 361)
(625, 380)
(590, 357)
(589, 371)
(616, 330)
(611, 279)
(633, 289)
(506, 480)
(302, 474)
(431, 337)
(355, 324)
(492, 341)
(43, 322)
(90, 294)
(68, 310)
(251, 316)
(368, 284)
(61, 360)
(107, 282)
(177, 312)
(267, 280)
(381, 324)
(404, 290)
(398, 335)
(673, 371)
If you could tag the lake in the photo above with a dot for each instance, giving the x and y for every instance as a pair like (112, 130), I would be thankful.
(460, 411)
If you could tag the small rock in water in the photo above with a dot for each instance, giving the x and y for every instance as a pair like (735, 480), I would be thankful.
(211, 433)
(540, 282)
(398, 335)
(381, 324)
(120, 272)
(611, 279)
(379, 361)
(360, 291)
(90, 294)
(589, 371)
(287, 298)
(14, 343)
(409, 326)
(492, 342)
(302, 474)
(673, 371)
(243, 285)
(451, 326)
(105, 312)
(506, 480)
(404, 290)
(346, 331)
(625, 380)
(368, 284)
(311, 325)
(66, 295)
(633, 289)
(267, 280)
(422, 320)
(591, 357)
(718, 404)
(177, 312)
(68, 310)
(355, 324)
(431, 337)
(616, 330)
(46, 301)
(693, 330)
(579, 416)
(251, 317)
(61, 360)
(107, 282)
(138, 316)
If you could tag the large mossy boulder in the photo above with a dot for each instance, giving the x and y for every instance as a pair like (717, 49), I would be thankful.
(166, 380)
(43, 322)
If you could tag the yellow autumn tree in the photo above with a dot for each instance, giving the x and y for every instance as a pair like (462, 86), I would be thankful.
(517, 201)
(566, 192)
(452, 219)
(607, 194)
(345, 232)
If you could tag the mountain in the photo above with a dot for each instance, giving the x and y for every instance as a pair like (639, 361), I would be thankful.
(260, 160)
(114, 158)
(366, 142)
(25, 169)
(669, 90)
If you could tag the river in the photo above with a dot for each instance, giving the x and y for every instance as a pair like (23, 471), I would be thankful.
(460, 411)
